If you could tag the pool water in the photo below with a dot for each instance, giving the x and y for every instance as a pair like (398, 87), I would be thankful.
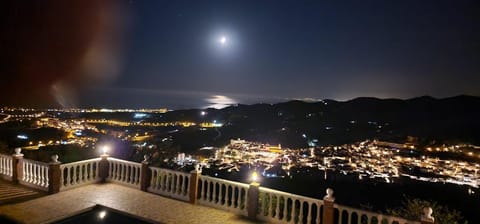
(100, 214)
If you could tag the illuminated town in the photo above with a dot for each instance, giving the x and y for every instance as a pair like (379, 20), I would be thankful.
(381, 161)
(371, 159)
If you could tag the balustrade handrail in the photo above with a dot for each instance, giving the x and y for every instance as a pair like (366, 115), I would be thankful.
(372, 214)
(233, 198)
(79, 162)
(6, 170)
(124, 161)
(225, 181)
(171, 183)
(296, 196)
(124, 172)
(79, 173)
(272, 209)
(169, 170)
(35, 162)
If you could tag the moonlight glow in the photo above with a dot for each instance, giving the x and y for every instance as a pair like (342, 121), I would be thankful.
(223, 40)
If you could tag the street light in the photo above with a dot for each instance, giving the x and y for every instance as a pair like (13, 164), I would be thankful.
(105, 149)
(254, 177)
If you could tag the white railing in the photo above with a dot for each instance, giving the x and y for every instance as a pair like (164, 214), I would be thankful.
(79, 173)
(282, 207)
(35, 174)
(124, 172)
(169, 183)
(348, 215)
(223, 194)
(6, 166)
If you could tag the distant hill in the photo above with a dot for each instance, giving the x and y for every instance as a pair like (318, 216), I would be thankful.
(333, 122)
(296, 123)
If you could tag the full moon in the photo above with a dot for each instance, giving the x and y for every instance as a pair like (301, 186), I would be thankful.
(223, 40)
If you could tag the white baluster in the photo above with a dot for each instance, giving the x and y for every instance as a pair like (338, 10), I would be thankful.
(137, 174)
(25, 171)
(117, 171)
(90, 174)
(42, 176)
(208, 191)
(80, 173)
(69, 180)
(300, 215)
(277, 207)
(202, 194)
(45, 168)
(124, 173)
(215, 192)
(309, 215)
(130, 173)
(172, 183)
(152, 177)
(29, 165)
(181, 183)
(271, 209)
(291, 211)
(340, 216)
(160, 180)
(35, 173)
(237, 197)
(220, 193)
(114, 171)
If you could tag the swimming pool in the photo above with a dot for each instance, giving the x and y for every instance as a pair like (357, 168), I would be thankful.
(101, 214)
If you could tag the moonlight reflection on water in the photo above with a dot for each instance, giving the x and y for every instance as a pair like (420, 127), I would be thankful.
(219, 101)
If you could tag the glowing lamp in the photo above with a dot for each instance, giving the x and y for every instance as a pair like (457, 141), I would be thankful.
(102, 214)
(254, 176)
(105, 149)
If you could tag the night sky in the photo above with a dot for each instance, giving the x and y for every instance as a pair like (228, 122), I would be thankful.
(170, 54)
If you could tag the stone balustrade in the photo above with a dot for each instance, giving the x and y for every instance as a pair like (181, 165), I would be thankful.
(124, 172)
(35, 174)
(250, 200)
(6, 170)
(79, 173)
(347, 214)
(223, 194)
(282, 207)
(169, 183)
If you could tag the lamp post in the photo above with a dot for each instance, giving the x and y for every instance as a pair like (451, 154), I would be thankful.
(253, 194)
(103, 164)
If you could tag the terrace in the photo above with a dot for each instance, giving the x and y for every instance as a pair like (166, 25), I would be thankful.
(159, 195)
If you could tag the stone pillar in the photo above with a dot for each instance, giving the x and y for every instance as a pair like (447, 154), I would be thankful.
(145, 174)
(252, 200)
(17, 166)
(193, 188)
(103, 168)
(54, 175)
(427, 217)
(328, 210)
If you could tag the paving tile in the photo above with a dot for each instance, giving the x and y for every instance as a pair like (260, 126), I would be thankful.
(132, 201)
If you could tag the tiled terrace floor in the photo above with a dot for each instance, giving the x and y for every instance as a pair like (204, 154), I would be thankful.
(149, 206)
